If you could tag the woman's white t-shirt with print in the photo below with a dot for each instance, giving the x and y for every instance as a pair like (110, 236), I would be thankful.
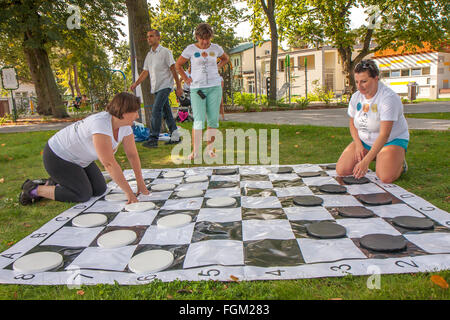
(204, 71)
(75, 144)
(386, 105)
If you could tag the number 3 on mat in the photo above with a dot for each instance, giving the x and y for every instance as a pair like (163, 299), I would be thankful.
(343, 267)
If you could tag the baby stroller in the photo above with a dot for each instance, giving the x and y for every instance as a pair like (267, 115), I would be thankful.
(184, 110)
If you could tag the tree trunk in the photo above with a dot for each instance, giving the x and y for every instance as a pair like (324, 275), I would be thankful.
(139, 23)
(70, 83)
(348, 66)
(75, 80)
(49, 99)
(269, 10)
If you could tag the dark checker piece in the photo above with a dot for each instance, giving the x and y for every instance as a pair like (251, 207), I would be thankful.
(376, 198)
(309, 174)
(353, 180)
(225, 171)
(383, 242)
(282, 170)
(326, 230)
(308, 201)
(414, 223)
(355, 212)
(332, 188)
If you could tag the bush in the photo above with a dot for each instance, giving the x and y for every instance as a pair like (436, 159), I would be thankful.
(246, 100)
(320, 93)
(302, 102)
(405, 100)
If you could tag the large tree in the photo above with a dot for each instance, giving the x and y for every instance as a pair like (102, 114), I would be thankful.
(265, 13)
(177, 20)
(41, 25)
(391, 24)
(139, 22)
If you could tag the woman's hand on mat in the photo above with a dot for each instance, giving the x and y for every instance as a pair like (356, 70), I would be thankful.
(361, 169)
(132, 198)
(142, 189)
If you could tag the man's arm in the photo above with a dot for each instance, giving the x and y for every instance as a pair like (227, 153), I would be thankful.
(141, 78)
(179, 90)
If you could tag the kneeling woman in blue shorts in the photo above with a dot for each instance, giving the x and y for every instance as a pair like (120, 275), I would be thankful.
(205, 84)
(69, 156)
(378, 128)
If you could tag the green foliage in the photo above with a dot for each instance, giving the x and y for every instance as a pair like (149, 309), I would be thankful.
(44, 25)
(302, 102)
(320, 93)
(405, 100)
(246, 100)
(177, 20)
(6, 118)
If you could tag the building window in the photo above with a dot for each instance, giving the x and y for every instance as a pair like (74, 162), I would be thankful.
(405, 73)
(428, 80)
(395, 73)
(267, 52)
(385, 74)
(310, 62)
(416, 72)
(426, 70)
(251, 87)
(281, 65)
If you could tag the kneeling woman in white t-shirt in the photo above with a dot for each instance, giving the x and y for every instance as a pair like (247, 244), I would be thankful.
(69, 156)
(378, 128)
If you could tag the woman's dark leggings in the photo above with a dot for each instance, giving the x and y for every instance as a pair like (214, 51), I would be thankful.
(76, 184)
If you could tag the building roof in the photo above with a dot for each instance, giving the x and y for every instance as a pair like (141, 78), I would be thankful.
(245, 46)
(402, 51)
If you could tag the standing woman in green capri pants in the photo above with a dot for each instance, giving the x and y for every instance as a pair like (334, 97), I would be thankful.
(205, 84)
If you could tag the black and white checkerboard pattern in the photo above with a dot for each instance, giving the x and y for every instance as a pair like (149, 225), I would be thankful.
(263, 236)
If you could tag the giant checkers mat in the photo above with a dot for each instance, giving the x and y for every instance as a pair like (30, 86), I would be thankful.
(268, 232)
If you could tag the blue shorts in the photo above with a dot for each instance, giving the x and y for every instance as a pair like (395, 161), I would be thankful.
(396, 142)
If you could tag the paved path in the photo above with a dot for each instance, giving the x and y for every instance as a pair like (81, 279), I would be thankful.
(339, 118)
(319, 117)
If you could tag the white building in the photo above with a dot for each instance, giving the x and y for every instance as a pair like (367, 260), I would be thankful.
(429, 69)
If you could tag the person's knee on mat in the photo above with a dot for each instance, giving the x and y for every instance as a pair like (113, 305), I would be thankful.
(99, 190)
(386, 177)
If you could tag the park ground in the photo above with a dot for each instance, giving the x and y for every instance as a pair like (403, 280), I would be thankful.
(427, 177)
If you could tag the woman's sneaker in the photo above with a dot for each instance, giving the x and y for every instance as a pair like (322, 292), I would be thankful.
(405, 166)
(42, 182)
(26, 197)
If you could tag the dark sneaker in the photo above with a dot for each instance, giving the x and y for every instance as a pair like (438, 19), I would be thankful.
(150, 144)
(50, 182)
(25, 197)
(39, 182)
(173, 142)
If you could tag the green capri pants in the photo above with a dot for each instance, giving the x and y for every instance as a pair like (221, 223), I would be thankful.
(209, 107)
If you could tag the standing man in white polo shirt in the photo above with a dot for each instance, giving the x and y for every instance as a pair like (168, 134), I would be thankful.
(160, 65)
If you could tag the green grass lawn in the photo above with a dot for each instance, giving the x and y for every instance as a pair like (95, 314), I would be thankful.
(430, 115)
(428, 177)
